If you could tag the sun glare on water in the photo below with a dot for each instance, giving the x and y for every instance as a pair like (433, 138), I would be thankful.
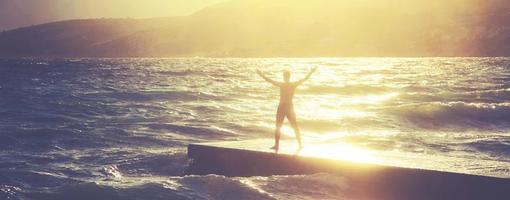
(340, 151)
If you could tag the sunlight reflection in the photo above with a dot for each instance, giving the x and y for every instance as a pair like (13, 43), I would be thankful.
(328, 114)
(340, 151)
(312, 110)
(371, 99)
(336, 109)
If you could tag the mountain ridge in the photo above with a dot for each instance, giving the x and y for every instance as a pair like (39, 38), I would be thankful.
(263, 28)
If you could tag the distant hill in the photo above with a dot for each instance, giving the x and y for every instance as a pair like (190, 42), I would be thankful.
(285, 28)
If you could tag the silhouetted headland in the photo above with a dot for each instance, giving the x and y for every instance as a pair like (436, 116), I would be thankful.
(284, 28)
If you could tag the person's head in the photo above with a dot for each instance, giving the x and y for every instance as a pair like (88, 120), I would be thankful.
(286, 76)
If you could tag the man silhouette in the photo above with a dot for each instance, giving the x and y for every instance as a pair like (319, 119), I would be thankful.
(286, 107)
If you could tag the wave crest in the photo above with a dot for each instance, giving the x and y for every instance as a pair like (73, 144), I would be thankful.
(347, 89)
(436, 115)
(220, 187)
(314, 186)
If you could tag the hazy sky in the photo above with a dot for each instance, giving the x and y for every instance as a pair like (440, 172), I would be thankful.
(17, 13)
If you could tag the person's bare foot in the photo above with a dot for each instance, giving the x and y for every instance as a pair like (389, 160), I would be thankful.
(275, 148)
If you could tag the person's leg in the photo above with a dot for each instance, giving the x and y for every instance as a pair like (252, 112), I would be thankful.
(280, 116)
(293, 123)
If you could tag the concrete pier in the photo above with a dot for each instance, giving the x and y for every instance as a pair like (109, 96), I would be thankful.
(366, 181)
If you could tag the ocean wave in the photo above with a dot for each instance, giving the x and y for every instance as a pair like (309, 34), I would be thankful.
(9, 142)
(345, 123)
(422, 97)
(376, 71)
(346, 90)
(491, 95)
(185, 72)
(117, 129)
(41, 138)
(210, 73)
(26, 178)
(92, 190)
(220, 187)
(431, 95)
(111, 171)
(9, 192)
(314, 186)
(207, 132)
(147, 96)
(417, 89)
(454, 114)
(156, 165)
(499, 147)
(77, 191)
(34, 138)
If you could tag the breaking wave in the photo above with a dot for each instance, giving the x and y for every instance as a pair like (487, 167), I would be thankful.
(459, 114)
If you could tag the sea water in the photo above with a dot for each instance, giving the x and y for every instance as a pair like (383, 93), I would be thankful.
(118, 128)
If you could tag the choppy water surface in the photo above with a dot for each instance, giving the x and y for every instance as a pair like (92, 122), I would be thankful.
(118, 128)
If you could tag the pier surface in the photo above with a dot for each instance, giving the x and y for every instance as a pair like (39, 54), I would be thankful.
(366, 179)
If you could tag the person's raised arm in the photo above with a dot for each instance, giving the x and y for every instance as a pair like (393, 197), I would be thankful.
(267, 79)
(307, 76)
